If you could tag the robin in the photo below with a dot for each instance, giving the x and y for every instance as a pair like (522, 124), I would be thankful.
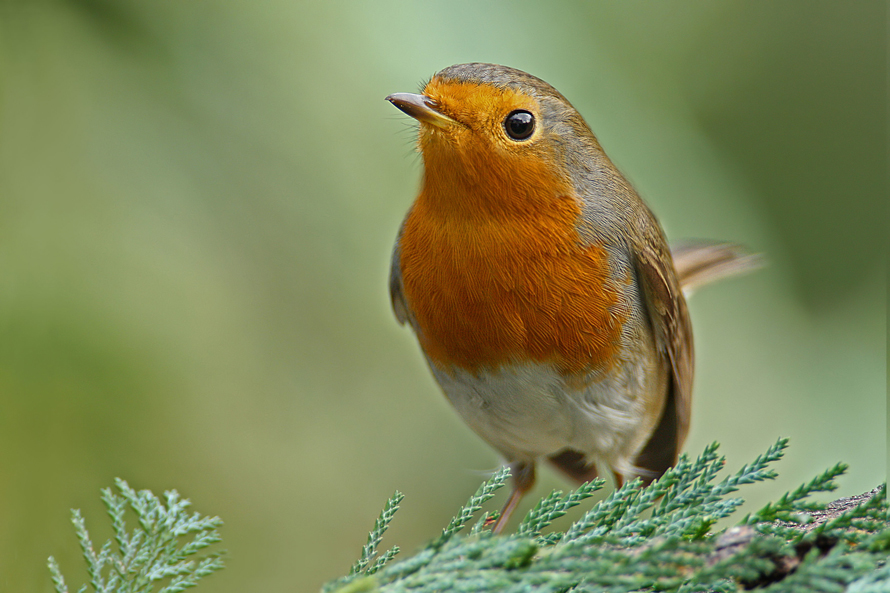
(539, 285)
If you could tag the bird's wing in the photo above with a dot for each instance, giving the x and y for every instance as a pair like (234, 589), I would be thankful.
(669, 319)
(397, 297)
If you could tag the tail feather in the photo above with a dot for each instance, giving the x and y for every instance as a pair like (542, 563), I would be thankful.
(701, 262)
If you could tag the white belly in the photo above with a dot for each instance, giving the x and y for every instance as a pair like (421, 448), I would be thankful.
(531, 411)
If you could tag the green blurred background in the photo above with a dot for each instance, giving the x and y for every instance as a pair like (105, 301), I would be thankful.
(198, 201)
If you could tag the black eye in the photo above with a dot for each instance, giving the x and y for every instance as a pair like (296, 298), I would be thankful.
(519, 124)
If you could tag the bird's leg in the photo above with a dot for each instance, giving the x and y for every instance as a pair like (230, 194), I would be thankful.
(523, 480)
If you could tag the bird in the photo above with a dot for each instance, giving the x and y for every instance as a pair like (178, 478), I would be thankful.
(539, 285)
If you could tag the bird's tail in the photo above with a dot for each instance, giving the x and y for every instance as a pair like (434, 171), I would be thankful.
(701, 262)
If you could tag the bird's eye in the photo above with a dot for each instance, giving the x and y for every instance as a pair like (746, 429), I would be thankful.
(519, 124)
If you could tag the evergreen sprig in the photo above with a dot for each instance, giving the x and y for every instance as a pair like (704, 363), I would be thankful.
(791, 505)
(657, 537)
(160, 554)
(376, 536)
(555, 506)
(466, 512)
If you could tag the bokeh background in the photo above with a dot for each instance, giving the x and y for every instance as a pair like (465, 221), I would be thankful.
(198, 201)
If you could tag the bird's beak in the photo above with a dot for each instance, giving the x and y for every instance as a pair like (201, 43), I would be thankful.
(421, 108)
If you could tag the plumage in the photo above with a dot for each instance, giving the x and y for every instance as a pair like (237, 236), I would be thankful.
(539, 285)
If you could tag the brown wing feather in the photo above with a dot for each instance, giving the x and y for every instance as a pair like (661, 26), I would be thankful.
(669, 318)
(396, 296)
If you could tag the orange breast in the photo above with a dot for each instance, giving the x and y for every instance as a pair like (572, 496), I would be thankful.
(492, 290)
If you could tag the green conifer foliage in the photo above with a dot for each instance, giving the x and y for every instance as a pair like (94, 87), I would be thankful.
(161, 553)
(657, 538)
